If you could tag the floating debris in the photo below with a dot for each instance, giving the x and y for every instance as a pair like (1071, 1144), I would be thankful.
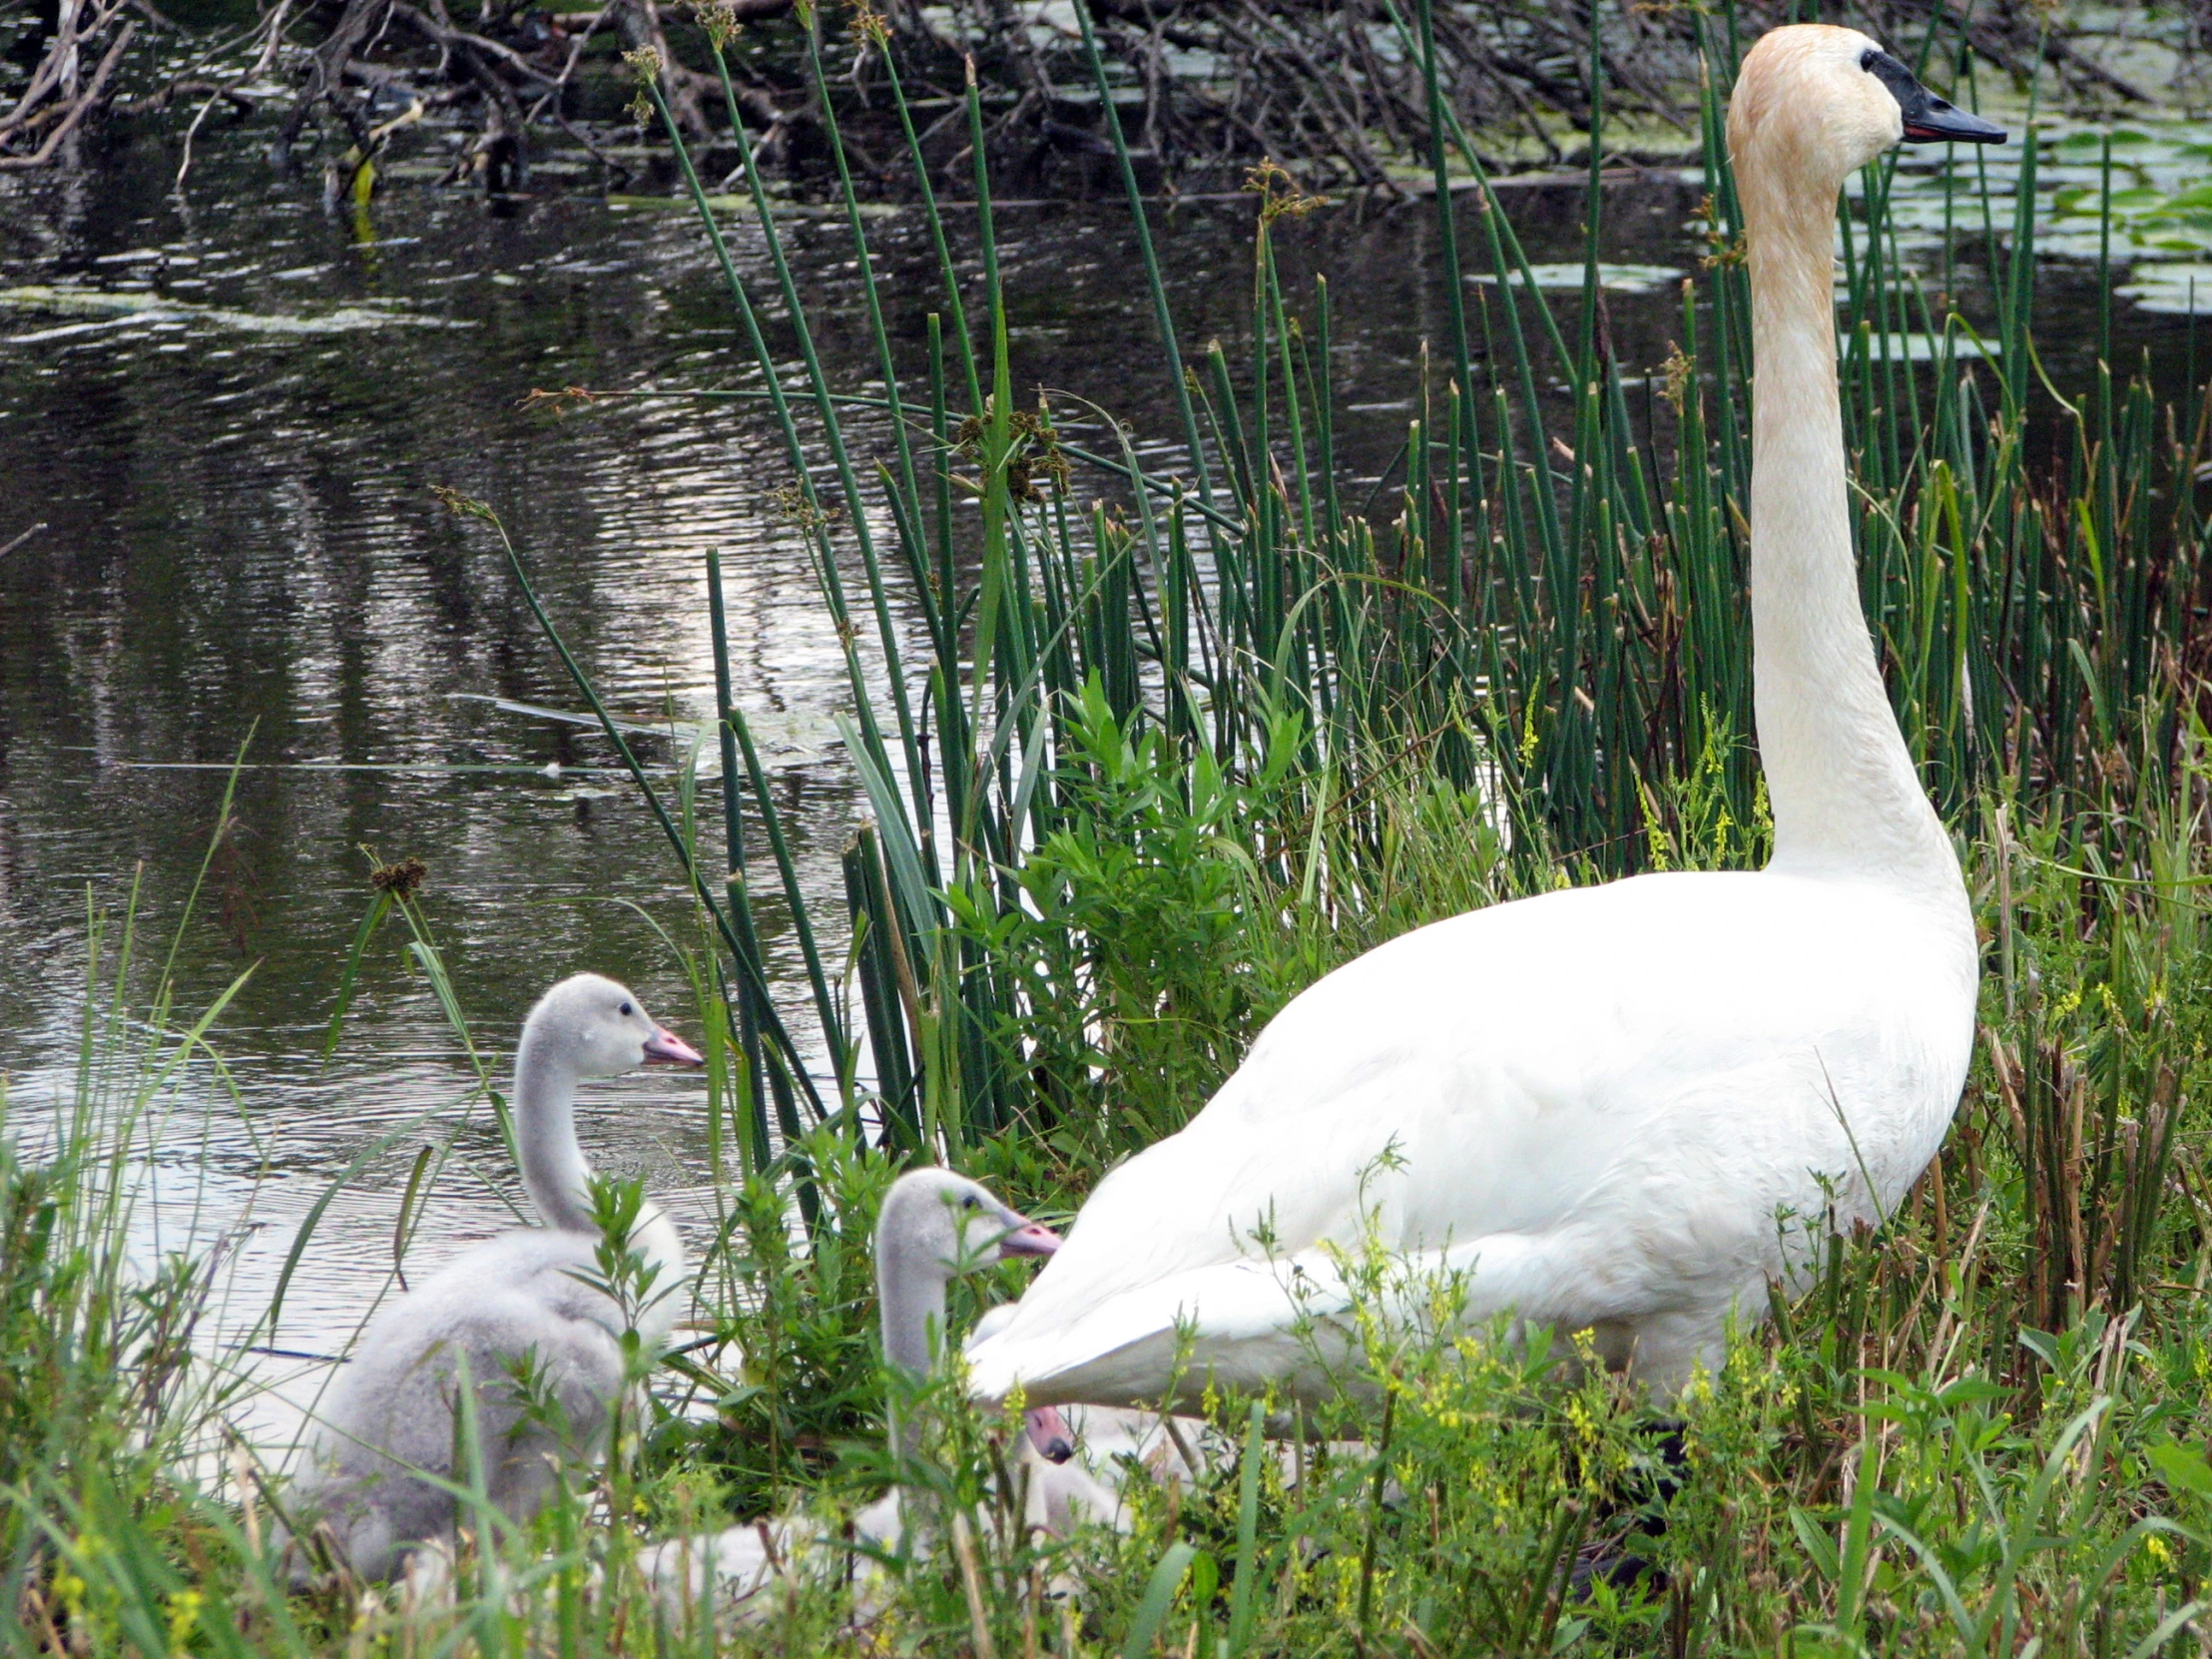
(1614, 279)
(117, 309)
(742, 207)
(784, 737)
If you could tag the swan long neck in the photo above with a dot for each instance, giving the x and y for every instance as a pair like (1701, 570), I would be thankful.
(1846, 796)
(910, 1293)
(553, 1167)
(911, 1301)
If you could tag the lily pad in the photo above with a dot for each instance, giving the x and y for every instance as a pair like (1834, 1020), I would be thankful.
(2175, 290)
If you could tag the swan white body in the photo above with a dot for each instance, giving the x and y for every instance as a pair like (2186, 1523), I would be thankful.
(1606, 1105)
(385, 1437)
(934, 1226)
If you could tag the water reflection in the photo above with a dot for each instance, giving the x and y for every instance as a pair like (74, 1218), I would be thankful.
(231, 425)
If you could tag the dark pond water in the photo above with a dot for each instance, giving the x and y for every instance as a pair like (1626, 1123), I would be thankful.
(229, 409)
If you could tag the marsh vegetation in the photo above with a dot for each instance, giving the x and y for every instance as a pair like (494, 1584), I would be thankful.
(1181, 727)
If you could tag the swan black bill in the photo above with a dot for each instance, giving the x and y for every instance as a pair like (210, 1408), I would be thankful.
(1048, 1434)
(1927, 117)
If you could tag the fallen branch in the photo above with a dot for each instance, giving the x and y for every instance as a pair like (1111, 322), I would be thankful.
(461, 42)
(84, 105)
(57, 66)
(326, 76)
(20, 537)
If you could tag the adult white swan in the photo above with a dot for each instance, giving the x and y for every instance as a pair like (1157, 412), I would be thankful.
(385, 1438)
(1598, 1102)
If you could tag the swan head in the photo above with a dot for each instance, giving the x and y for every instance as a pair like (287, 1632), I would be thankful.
(1048, 1432)
(602, 1030)
(944, 1224)
(1819, 101)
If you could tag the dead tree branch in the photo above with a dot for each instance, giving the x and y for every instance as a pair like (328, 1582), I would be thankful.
(71, 102)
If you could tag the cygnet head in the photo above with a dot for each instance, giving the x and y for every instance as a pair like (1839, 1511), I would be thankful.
(597, 1028)
(1818, 102)
(938, 1223)
(1048, 1429)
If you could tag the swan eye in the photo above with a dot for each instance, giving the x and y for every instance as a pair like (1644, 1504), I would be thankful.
(627, 1010)
(1867, 58)
(968, 1203)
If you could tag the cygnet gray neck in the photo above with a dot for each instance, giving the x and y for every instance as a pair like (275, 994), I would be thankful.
(909, 1289)
(909, 1297)
(553, 1167)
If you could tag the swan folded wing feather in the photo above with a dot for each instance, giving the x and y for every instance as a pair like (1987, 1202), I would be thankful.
(1658, 1061)
(388, 1421)
(1635, 1237)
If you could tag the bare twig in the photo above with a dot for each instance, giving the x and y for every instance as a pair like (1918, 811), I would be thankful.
(184, 161)
(456, 39)
(86, 101)
(327, 75)
(58, 67)
(20, 537)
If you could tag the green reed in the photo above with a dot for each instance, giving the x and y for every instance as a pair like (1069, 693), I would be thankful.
(1163, 758)
(102, 1291)
(1984, 1427)
(1543, 609)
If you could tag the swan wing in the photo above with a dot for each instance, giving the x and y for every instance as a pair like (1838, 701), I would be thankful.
(1593, 1100)
(514, 1294)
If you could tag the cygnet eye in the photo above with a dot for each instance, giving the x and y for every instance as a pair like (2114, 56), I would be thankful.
(1867, 58)
(627, 1010)
(968, 1203)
